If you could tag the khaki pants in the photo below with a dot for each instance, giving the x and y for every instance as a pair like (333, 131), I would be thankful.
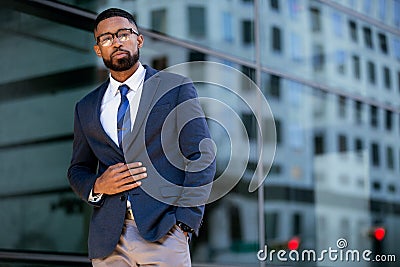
(133, 250)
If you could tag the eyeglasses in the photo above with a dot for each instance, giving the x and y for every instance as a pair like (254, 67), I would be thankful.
(123, 35)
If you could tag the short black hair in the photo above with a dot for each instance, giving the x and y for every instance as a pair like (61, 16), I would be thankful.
(114, 12)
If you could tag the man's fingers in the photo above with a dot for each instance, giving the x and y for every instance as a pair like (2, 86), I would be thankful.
(127, 187)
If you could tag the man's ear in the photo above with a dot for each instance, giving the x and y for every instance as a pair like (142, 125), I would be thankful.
(140, 41)
(97, 50)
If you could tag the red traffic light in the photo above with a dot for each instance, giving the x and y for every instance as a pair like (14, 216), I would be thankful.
(379, 233)
(293, 243)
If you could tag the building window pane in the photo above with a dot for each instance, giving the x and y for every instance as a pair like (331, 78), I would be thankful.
(382, 9)
(319, 144)
(353, 31)
(297, 224)
(296, 47)
(396, 13)
(368, 37)
(388, 120)
(356, 67)
(250, 123)
(396, 48)
(294, 8)
(340, 57)
(342, 106)
(318, 58)
(390, 158)
(248, 32)
(358, 112)
(374, 116)
(159, 20)
(342, 143)
(337, 24)
(375, 154)
(315, 19)
(275, 85)
(271, 224)
(276, 39)
(197, 22)
(227, 26)
(387, 81)
(274, 5)
(371, 72)
(383, 43)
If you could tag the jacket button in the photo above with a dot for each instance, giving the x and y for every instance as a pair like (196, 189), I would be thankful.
(122, 198)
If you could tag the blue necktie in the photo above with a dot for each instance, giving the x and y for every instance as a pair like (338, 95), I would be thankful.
(123, 115)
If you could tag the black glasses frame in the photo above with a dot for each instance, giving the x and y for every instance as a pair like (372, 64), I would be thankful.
(116, 34)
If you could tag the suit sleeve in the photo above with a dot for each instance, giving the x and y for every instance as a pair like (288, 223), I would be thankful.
(82, 171)
(199, 156)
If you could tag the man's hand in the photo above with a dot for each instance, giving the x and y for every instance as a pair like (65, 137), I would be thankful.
(119, 178)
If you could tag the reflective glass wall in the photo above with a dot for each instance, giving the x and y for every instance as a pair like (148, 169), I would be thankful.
(329, 70)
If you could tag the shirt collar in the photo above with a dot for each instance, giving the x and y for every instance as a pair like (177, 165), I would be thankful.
(133, 82)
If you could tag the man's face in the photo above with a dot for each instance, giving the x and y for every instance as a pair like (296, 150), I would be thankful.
(119, 56)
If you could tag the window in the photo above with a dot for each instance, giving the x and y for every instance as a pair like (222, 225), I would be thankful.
(340, 57)
(389, 158)
(236, 226)
(160, 63)
(371, 72)
(275, 85)
(319, 144)
(387, 81)
(278, 127)
(297, 223)
(337, 24)
(274, 5)
(159, 20)
(398, 81)
(342, 140)
(197, 22)
(315, 19)
(368, 37)
(358, 145)
(396, 47)
(358, 112)
(382, 9)
(356, 67)
(227, 27)
(388, 120)
(396, 13)
(249, 72)
(250, 123)
(318, 58)
(296, 47)
(375, 154)
(294, 8)
(374, 116)
(342, 106)
(276, 39)
(383, 43)
(367, 6)
(196, 56)
(248, 32)
(353, 31)
(271, 223)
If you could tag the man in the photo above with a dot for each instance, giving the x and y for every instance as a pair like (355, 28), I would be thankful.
(139, 124)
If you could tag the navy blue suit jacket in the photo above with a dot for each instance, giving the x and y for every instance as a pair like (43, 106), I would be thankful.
(169, 137)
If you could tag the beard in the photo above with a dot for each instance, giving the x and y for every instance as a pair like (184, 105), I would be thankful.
(122, 64)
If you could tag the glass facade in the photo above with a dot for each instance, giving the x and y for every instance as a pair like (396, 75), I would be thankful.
(330, 71)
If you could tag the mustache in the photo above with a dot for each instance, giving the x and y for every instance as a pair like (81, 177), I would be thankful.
(120, 50)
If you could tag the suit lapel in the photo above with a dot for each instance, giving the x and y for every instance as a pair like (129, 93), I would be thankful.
(150, 86)
(98, 125)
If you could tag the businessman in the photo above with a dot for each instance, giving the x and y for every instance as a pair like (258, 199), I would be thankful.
(142, 155)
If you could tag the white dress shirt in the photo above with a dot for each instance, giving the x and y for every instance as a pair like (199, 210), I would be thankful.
(110, 104)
